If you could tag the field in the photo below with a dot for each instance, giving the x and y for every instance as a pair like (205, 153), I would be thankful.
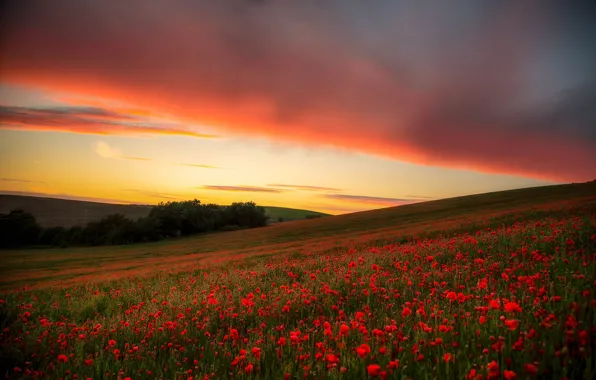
(53, 212)
(497, 285)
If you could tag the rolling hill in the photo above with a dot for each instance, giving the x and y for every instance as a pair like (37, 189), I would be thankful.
(377, 227)
(51, 212)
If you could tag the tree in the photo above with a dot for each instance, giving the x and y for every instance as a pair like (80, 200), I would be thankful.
(54, 236)
(246, 215)
(18, 228)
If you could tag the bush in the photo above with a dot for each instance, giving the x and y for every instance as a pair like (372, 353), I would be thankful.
(18, 228)
(54, 236)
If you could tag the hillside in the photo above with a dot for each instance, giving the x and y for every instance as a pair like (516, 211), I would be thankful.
(63, 266)
(51, 212)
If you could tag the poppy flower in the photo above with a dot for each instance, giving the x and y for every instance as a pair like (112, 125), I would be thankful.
(373, 370)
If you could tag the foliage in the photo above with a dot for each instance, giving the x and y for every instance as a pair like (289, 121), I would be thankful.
(18, 228)
(171, 219)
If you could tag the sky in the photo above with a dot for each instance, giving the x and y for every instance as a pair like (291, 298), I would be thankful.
(334, 106)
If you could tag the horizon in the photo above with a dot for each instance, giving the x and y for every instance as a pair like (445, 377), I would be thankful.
(335, 108)
(75, 198)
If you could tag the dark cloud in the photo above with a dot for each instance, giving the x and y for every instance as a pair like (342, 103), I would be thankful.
(88, 120)
(242, 188)
(304, 187)
(491, 86)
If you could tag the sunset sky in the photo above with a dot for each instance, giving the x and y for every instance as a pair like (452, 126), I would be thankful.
(334, 106)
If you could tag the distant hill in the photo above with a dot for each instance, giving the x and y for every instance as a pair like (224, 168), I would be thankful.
(289, 214)
(51, 212)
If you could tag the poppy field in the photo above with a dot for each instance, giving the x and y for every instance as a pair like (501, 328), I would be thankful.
(507, 295)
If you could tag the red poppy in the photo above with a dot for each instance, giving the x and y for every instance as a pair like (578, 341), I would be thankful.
(406, 311)
(373, 370)
(363, 350)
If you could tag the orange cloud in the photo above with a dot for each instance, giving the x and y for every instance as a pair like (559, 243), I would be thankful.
(87, 120)
(351, 77)
(305, 187)
(242, 188)
(370, 200)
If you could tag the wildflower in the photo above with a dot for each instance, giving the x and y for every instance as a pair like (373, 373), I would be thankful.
(511, 324)
(531, 369)
(447, 357)
(493, 369)
(344, 329)
(363, 350)
(373, 370)
(62, 358)
(332, 359)
(406, 311)
(512, 307)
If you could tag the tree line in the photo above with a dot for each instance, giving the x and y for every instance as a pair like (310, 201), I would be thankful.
(19, 228)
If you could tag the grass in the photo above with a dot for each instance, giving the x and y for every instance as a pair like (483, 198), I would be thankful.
(52, 212)
(289, 214)
(499, 285)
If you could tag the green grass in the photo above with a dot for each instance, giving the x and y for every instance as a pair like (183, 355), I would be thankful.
(289, 214)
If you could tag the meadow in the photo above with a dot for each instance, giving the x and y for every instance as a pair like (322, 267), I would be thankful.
(491, 286)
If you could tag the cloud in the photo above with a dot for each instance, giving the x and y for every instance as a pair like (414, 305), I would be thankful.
(199, 166)
(500, 88)
(305, 187)
(87, 120)
(371, 200)
(18, 180)
(106, 151)
(420, 197)
(65, 196)
(153, 194)
(242, 188)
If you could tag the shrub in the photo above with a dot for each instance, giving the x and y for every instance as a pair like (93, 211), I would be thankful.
(18, 228)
